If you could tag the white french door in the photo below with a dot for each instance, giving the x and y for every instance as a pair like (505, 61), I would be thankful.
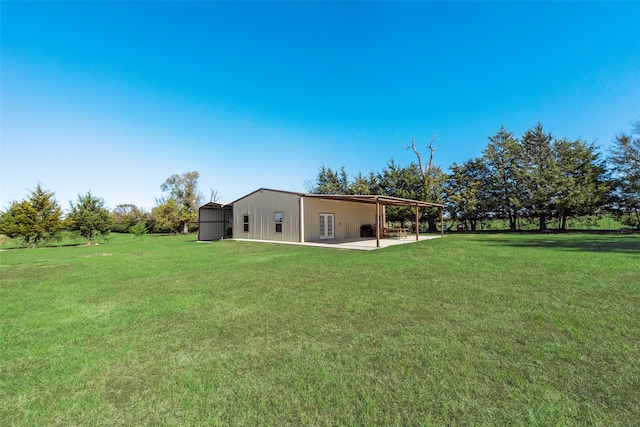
(326, 226)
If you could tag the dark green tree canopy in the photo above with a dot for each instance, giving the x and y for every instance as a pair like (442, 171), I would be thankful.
(540, 173)
(503, 160)
(625, 164)
(329, 181)
(465, 192)
(535, 178)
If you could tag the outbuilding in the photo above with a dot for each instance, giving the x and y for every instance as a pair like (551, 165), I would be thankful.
(215, 221)
(287, 216)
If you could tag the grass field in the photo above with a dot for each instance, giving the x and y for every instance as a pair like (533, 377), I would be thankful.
(605, 223)
(482, 329)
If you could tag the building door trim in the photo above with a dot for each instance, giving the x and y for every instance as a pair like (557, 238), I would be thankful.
(327, 226)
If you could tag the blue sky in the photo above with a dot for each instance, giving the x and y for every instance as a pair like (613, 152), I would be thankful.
(114, 97)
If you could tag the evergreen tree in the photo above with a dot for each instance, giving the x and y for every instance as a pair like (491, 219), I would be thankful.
(89, 217)
(581, 186)
(503, 161)
(403, 182)
(541, 174)
(625, 161)
(139, 229)
(466, 192)
(330, 182)
(34, 220)
(364, 185)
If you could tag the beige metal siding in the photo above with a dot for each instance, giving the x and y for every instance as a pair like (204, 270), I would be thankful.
(349, 216)
(261, 207)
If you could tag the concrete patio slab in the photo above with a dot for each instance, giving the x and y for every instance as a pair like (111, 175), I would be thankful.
(358, 244)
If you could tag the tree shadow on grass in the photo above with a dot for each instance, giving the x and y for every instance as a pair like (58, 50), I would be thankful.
(629, 244)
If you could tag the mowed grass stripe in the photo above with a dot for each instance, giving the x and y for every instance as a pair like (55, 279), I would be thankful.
(469, 329)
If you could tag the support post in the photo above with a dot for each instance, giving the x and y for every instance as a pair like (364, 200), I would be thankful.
(377, 222)
(442, 221)
(384, 216)
(417, 223)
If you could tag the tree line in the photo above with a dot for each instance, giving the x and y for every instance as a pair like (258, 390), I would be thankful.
(535, 178)
(39, 218)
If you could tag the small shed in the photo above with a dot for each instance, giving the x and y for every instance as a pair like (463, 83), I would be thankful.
(214, 221)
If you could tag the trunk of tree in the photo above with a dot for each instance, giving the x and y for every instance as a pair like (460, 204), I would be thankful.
(185, 228)
(563, 222)
(432, 225)
(512, 222)
(543, 222)
(473, 223)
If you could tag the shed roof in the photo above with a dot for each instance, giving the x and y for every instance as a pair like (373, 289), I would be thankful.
(215, 205)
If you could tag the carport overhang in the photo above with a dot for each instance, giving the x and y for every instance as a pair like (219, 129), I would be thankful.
(380, 202)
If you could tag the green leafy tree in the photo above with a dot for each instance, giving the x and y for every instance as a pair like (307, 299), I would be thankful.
(35, 220)
(183, 189)
(625, 161)
(125, 216)
(170, 216)
(89, 217)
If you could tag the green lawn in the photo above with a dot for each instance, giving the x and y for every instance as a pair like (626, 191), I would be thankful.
(475, 329)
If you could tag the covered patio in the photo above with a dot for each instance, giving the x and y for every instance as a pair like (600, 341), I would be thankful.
(381, 202)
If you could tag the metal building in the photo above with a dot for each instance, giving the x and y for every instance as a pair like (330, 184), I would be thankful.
(288, 216)
(215, 221)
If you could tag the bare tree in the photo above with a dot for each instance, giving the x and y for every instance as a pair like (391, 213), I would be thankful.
(426, 167)
(432, 181)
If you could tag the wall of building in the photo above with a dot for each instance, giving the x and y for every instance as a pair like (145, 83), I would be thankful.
(261, 206)
(349, 216)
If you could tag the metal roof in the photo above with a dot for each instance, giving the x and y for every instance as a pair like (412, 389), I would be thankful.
(373, 199)
(215, 205)
(359, 198)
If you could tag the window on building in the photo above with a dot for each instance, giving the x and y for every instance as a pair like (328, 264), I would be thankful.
(246, 222)
(278, 218)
